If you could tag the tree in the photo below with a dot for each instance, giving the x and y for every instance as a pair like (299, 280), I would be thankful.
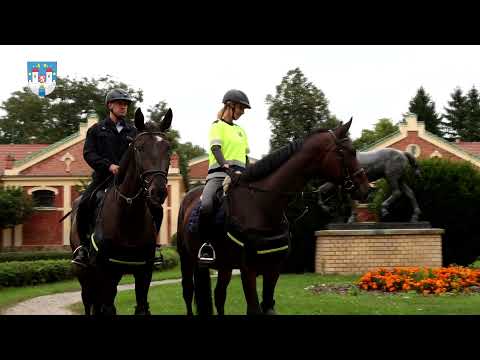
(297, 108)
(448, 192)
(383, 127)
(32, 119)
(15, 206)
(424, 107)
(455, 116)
(185, 151)
(471, 130)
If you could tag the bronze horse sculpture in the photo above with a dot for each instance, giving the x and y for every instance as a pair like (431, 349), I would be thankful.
(255, 205)
(124, 236)
(390, 164)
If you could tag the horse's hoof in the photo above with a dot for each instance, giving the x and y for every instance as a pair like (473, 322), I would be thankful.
(142, 310)
(270, 311)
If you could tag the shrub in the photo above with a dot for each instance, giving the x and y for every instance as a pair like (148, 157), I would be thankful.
(173, 240)
(448, 194)
(170, 257)
(15, 206)
(22, 273)
(32, 255)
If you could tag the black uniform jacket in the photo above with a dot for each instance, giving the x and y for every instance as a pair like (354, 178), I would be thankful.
(104, 146)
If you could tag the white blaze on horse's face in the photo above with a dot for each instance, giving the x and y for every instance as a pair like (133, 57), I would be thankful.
(159, 139)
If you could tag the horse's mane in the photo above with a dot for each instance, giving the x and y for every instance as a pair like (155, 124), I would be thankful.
(123, 165)
(274, 160)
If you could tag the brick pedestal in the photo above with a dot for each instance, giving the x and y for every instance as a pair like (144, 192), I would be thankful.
(359, 251)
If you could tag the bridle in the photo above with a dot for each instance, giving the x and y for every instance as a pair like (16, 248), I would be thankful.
(348, 184)
(146, 177)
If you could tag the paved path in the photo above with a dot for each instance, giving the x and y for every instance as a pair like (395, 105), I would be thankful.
(57, 304)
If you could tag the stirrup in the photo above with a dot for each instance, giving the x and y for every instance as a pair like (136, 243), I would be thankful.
(204, 259)
(159, 260)
(73, 261)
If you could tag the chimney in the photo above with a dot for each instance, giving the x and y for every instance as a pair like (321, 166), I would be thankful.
(174, 161)
(9, 160)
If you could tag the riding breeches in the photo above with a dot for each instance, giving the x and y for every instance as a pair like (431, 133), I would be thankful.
(208, 195)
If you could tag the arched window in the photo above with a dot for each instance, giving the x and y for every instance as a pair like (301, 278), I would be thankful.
(413, 149)
(43, 198)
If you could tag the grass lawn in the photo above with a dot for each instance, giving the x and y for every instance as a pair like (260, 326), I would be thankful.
(293, 299)
(13, 295)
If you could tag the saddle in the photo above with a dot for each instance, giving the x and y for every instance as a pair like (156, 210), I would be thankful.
(103, 249)
(228, 228)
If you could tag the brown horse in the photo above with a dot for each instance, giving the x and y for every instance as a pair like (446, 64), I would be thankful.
(124, 238)
(257, 201)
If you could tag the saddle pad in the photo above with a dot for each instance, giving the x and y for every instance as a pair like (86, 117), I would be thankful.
(194, 220)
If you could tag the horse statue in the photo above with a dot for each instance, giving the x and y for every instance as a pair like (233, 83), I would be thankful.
(124, 236)
(390, 164)
(254, 235)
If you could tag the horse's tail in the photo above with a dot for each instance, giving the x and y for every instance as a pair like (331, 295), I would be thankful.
(203, 290)
(413, 163)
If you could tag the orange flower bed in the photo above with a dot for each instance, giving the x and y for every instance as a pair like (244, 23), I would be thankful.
(422, 280)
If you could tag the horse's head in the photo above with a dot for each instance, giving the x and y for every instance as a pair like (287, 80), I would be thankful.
(152, 156)
(340, 164)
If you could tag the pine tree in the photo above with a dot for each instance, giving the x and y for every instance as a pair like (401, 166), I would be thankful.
(424, 108)
(455, 116)
(471, 130)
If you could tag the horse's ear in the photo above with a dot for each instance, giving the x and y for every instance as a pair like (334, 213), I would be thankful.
(166, 121)
(139, 120)
(344, 129)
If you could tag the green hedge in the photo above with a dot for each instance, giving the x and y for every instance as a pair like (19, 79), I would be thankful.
(448, 194)
(170, 257)
(34, 255)
(21, 273)
(25, 273)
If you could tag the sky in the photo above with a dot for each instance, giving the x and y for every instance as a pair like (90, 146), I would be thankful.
(364, 82)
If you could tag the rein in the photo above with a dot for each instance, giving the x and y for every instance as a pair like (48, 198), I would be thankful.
(348, 184)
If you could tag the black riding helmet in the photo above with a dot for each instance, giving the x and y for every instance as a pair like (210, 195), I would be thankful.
(236, 96)
(116, 95)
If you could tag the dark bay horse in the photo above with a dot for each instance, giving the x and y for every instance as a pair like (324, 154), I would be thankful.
(390, 164)
(124, 238)
(257, 202)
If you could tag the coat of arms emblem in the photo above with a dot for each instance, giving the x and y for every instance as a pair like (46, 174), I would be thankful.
(42, 77)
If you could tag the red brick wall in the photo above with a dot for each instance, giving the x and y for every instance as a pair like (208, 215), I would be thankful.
(199, 170)
(54, 166)
(426, 148)
(43, 228)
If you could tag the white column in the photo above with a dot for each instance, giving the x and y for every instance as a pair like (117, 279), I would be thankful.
(18, 238)
(7, 238)
(67, 206)
(164, 228)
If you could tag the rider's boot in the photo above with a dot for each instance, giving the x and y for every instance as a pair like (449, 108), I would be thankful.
(80, 254)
